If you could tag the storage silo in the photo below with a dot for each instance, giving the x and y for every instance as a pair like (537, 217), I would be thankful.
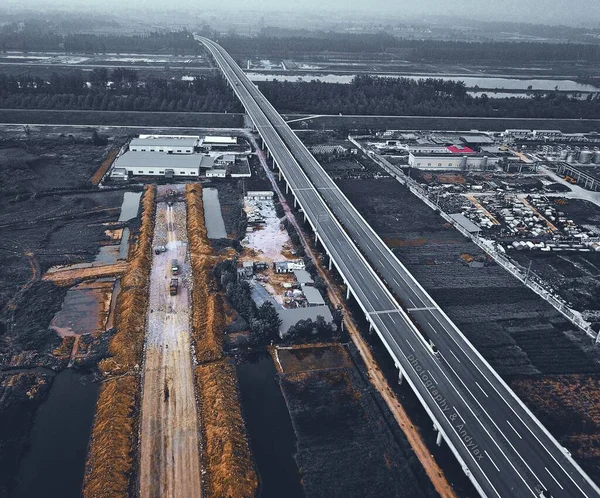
(563, 154)
(586, 156)
(597, 157)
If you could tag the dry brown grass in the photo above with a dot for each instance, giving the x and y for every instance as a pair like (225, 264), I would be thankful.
(110, 157)
(110, 462)
(111, 455)
(130, 316)
(208, 312)
(569, 405)
(226, 454)
(64, 350)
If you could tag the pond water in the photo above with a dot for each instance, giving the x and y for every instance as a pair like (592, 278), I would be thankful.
(270, 430)
(130, 206)
(564, 85)
(55, 461)
(213, 217)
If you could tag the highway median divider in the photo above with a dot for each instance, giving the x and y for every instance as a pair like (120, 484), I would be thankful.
(110, 466)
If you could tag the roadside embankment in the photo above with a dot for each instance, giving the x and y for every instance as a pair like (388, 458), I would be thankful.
(110, 462)
(101, 171)
(207, 305)
(226, 455)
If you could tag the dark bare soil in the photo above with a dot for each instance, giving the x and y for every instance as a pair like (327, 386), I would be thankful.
(524, 338)
(50, 215)
(512, 327)
(345, 444)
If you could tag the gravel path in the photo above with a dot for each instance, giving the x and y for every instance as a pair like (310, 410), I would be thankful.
(169, 437)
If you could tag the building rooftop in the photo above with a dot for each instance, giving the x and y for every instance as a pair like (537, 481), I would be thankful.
(313, 296)
(220, 140)
(464, 222)
(163, 141)
(207, 162)
(152, 159)
(460, 149)
(303, 277)
(291, 317)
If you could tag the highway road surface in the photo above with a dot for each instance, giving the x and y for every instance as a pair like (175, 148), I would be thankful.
(502, 447)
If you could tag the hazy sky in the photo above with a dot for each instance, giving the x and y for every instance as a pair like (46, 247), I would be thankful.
(586, 12)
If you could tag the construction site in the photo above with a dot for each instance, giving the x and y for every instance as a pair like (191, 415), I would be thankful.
(135, 294)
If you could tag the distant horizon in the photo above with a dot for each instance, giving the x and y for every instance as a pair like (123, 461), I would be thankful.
(571, 13)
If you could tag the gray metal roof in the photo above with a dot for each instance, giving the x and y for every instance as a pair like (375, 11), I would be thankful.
(303, 277)
(160, 142)
(313, 296)
(291, 317)
(466, 223)
(157, 160)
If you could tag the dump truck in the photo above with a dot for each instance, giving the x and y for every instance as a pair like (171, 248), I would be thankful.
(173, 286)
(174, 267)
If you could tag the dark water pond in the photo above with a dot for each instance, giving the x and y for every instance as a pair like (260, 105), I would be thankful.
(272, 437)
(53, 465)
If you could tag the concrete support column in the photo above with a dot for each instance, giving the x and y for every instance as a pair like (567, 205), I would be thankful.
(400, 376)
(330, 261)
(347, 292)
(295, 201)
(438, 439)
(279, 175)
(287, 187)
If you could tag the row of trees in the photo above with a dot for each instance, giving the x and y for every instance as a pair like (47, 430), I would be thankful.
(78, 91)
(430, 50)
(33, 36)
(370, 95)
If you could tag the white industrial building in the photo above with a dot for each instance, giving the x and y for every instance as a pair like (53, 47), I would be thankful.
(212, 142)
(151, 164)
(216, 173)
(164, 144)
(451, 161)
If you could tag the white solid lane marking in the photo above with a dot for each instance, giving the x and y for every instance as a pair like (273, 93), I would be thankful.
(511, 426)
(493, 463)
(477, 383)
(431, 375)
(410, 345)
(559, 485)
(458, 413)
(452, 352)
(411, 302)
(431, 327)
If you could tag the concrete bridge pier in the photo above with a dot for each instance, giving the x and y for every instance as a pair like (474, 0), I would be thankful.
(438, 439)
(400, 374)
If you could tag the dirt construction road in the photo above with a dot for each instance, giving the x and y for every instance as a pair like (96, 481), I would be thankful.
(169, 435)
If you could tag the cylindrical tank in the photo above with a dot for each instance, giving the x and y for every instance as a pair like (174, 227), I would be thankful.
(586, 156)
(563, 154)
(597, 157)
(571, 158)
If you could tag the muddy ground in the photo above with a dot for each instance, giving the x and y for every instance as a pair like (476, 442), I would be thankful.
(521, 335)
(346, 444)
(49, 215)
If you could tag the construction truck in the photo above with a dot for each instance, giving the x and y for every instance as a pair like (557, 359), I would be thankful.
(174, 267)
(174, 285)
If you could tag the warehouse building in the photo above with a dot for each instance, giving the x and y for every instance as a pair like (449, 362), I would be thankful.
(152, 164)
(452, 161)
(164, 144)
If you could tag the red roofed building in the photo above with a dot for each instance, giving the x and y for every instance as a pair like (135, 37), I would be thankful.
(460, 149)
